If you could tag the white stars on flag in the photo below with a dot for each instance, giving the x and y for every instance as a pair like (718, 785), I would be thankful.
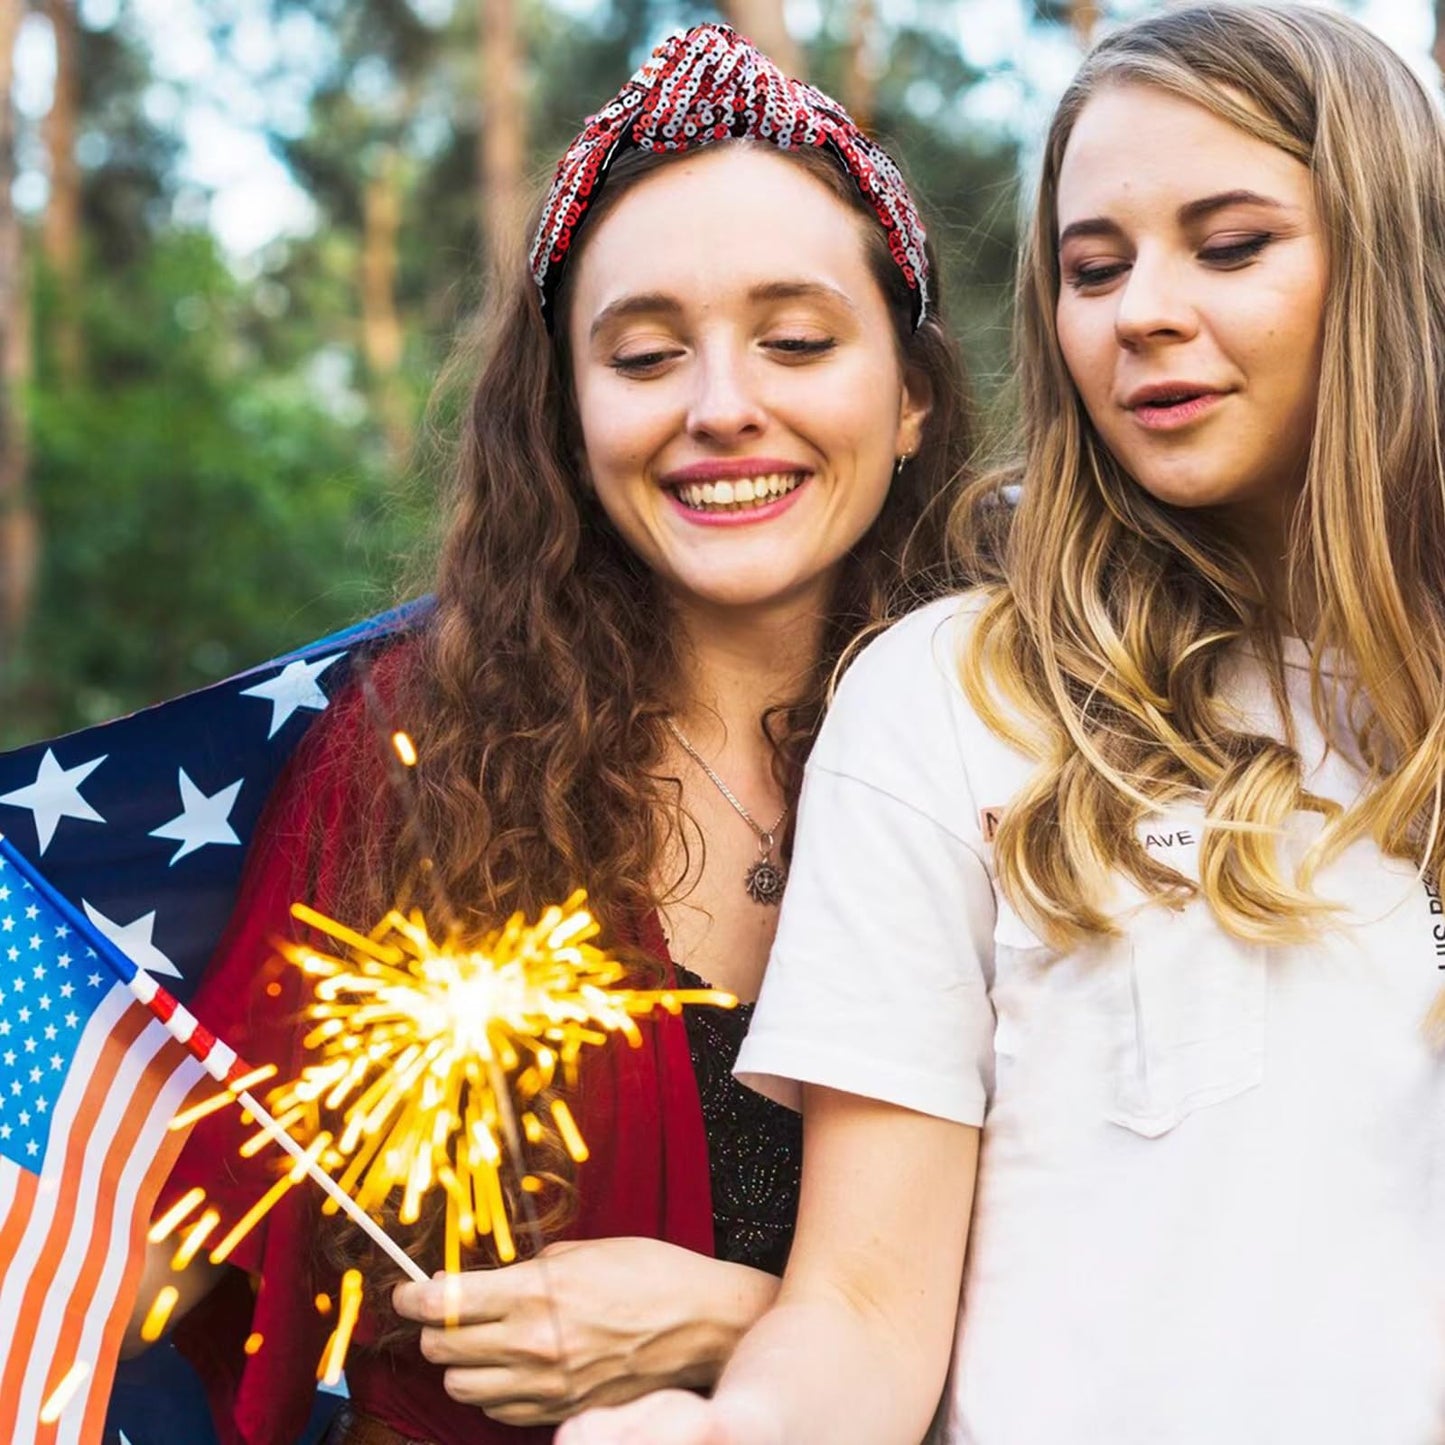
(134, 940)
(55, 794)
(293, 687)
(40, 1041)
(202, 819)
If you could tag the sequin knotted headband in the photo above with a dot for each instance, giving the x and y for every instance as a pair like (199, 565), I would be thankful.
(710, 85)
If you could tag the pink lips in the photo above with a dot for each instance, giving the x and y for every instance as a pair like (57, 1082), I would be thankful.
(732, 469)
(1169, 406)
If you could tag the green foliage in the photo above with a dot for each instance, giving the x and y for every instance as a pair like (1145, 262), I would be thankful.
(199, 512)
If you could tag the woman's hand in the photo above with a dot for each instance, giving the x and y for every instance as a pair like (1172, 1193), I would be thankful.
(591, 1322)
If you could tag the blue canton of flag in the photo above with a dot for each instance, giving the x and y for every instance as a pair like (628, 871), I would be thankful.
(49, 988)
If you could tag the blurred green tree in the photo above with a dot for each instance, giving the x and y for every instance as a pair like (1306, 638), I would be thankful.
(204, 503)
(233, 468)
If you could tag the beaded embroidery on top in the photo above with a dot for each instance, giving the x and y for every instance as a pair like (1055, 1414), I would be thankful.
(708, 85)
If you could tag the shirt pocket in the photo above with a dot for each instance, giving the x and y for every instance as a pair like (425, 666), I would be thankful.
(1196, 1018)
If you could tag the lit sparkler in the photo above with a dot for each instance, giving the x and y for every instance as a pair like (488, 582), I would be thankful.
(431, 1063)
(427, 1057)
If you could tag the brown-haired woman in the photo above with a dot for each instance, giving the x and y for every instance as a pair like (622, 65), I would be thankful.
(704, 454)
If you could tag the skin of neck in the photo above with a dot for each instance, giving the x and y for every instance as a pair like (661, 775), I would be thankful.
(738, 662)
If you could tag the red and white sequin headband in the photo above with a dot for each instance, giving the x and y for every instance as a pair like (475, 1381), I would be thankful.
(711, 85)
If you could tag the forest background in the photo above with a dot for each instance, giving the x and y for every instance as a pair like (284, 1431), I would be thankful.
(208, 455)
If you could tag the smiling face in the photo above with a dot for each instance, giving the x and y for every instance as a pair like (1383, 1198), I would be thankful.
(1190, 309)
(737, 378)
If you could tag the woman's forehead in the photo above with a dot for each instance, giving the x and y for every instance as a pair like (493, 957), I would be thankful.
(729, 223)
(1135, 144)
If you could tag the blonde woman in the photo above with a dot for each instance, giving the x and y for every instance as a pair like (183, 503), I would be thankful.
(1123, 865)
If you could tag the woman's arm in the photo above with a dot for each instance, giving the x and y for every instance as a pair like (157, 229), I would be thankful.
(857, 1346)
(192, 1284)
(594, 1322)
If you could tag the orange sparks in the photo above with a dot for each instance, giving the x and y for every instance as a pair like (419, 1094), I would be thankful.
(335, 1354)
(228, 1095)
(405, 748)
(567, 1128)
(323, 1303)
(64, 1392)
(162, 1227)
(159, 1313)
(254, 1341)
(196, 1236)
(264, 1204)
(438, 1057)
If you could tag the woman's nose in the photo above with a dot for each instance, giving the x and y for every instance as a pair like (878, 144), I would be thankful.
(726, 405)
(1154, 304)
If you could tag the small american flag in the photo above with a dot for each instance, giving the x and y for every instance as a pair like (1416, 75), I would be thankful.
(142, 824)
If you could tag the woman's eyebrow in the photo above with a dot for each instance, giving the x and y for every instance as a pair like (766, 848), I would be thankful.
(1208, 205)
(1093, 226)
(643, 303)
(1187, 214)
(800, 290)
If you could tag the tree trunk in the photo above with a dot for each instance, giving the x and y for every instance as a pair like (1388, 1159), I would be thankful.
(19, 534)
(860, 81)
(762, 22)
(382, 336)
(502, 137)
(60, 233)
(1084, 16)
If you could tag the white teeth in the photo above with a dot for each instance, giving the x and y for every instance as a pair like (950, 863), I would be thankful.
(741, 494)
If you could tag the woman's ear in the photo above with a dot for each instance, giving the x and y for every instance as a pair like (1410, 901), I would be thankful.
(913, 412)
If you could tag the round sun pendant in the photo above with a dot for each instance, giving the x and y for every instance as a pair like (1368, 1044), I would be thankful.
(764, 882)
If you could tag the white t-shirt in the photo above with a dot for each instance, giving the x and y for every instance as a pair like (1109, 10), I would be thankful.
(1211, 1198)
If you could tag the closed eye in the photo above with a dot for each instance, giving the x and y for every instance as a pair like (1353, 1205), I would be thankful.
(1236, 253)
(802, 345)
(641, 362)
(1083, 278)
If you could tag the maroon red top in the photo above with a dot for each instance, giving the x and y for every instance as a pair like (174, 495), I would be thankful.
(648, 1178)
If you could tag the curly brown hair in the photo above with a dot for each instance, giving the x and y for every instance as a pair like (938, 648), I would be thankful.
(537, 694)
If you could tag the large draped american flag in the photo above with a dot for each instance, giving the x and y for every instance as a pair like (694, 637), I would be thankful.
(142, 823)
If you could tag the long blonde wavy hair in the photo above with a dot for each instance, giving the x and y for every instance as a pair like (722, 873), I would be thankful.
(1108, 614)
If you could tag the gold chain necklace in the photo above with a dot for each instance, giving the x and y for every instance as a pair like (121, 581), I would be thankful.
(765, 880)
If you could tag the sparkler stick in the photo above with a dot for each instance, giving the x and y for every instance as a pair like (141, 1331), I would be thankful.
(217, 1058)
